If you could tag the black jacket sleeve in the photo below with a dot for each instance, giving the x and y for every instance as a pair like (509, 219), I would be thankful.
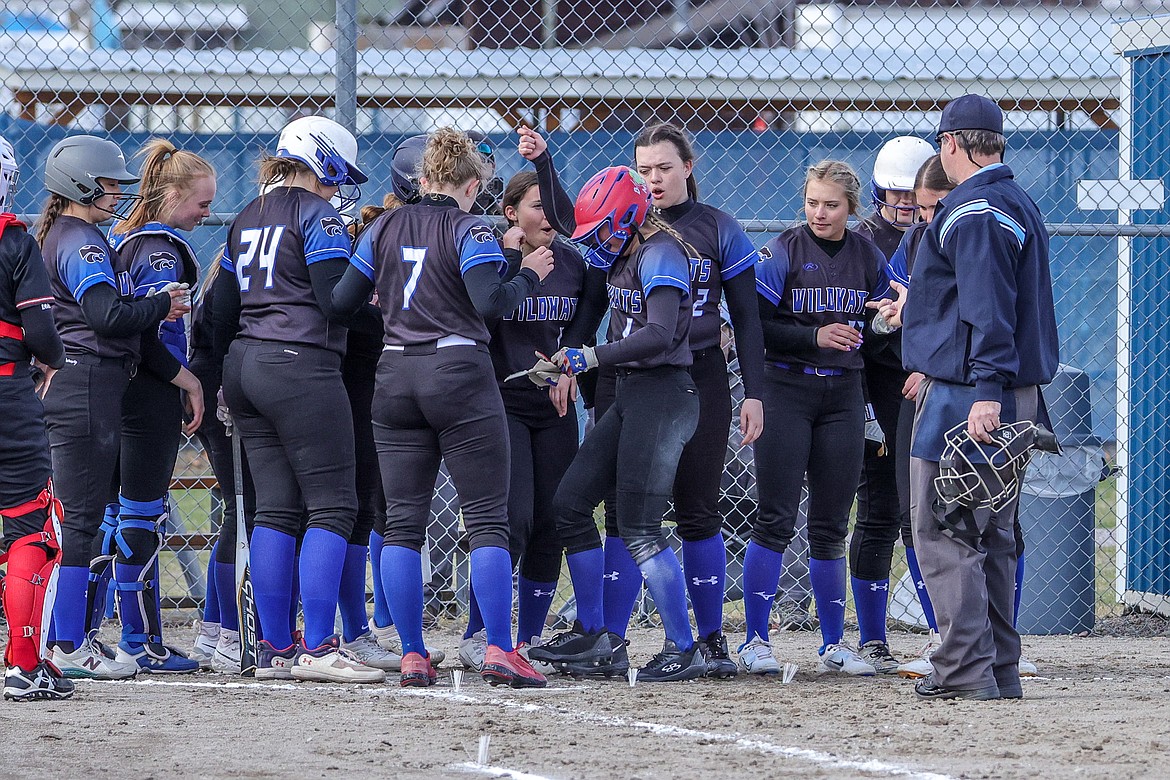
(493, 297)
(40, 335)
(654, 339)
(157, 359)
(591, 306)
(325, 276)
(740, 291)
(785, 336)
(558, 206)
(224, 316)
(112, 316)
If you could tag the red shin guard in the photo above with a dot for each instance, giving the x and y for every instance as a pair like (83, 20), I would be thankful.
(30, 584)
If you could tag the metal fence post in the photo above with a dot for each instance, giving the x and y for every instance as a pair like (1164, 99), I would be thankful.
(345, 98)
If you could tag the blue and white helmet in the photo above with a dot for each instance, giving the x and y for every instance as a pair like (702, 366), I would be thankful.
(329, 150)
(9, 174)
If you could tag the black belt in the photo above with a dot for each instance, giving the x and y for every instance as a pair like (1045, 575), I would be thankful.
(802, 368)
(125, 363)
(652, 371)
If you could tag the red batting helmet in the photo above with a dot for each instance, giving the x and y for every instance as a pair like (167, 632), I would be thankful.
(610, 209)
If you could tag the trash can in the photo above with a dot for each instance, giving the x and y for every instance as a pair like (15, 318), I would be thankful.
(1057, 515)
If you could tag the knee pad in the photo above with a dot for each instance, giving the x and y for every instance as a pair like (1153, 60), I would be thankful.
(141, 530)
(643, 548)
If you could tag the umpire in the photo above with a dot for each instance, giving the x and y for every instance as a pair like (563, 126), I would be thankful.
(980, 325)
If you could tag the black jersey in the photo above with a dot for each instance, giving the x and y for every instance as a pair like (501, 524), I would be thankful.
(883, 348)
(882, 233)
(157, 255)
(416, 256)
(724, 251)
(23, 283)
(658, 262)
(271, 245)
(536, 324)
(810, 288)
(78, 257)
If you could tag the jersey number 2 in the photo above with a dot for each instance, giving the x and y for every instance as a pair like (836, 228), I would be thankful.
(700, 301)
(416, 256)
(260, 244)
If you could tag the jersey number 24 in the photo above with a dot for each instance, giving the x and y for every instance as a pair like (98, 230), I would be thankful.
(259, 246)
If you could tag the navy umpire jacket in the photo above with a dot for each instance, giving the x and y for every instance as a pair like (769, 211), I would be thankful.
(979, 310)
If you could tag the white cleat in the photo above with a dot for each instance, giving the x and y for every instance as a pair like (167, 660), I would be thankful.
(204, 647)
(370, 652)
(843, 659)
(226, 659)
(387, 638)
(92, 661)
(755, 657)
(1027, 668)
(473, 649)
(921, 666)
(332, 663)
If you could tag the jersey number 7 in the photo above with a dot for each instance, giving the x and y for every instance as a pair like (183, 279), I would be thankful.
(416, 256)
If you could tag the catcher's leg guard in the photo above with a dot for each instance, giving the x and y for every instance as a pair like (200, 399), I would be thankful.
(140, 534)
(31, 582)
(100, 570)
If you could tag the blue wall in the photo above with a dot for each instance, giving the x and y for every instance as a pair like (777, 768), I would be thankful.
(753, 176)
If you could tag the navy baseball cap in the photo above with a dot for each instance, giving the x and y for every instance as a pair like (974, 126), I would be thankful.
(971, 112)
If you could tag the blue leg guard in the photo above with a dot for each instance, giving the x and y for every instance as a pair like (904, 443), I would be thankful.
(100, 570)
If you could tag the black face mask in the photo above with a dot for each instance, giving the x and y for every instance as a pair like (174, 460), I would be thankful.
(488, 200)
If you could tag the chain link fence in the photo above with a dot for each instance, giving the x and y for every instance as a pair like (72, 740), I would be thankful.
(765, 87)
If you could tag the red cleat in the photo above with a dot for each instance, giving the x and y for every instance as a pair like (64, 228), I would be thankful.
(501, 668)
(417, 671)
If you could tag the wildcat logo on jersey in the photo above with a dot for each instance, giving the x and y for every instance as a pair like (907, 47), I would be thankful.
(765, 254)
(162, 261)
(91, 253)
(482, 234)
(332, 226)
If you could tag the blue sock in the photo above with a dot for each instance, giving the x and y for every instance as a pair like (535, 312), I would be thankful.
(211, 602)
(761, 574)
(623, 583)
(705, 566)
(534, 599)
(491, 574)
(323, 556)
(272, 556)
(294, 601)
(474, 616)
(1019, 594)
(403, 586)
(69, 608)
(585, 570)
(351, 596)
(664, 578)
(381, 608)
(920, 587)
(225, 583)
(828, 587)
(870, 597)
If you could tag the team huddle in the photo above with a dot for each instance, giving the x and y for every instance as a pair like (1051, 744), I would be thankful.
(342, 359)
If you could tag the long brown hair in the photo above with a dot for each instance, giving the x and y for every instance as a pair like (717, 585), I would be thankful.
(668, 133)
(931, 176)
(167, 174)
(656, 222)
(54, 205)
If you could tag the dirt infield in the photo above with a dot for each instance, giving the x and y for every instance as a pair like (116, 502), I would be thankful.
(1100, 709)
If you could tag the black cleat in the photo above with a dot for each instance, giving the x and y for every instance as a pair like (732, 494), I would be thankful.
(576, 647)
(719, 663)
(617, 666)
(927, 688)
(673, 664)
(45, 681)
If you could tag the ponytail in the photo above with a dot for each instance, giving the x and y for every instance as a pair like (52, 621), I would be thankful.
(656, 222)
(167, 174)
(53, 208)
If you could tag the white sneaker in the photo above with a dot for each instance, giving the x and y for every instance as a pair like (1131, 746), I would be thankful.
(877, 654)
(367, 650)
(204, 647)
(921, 666)
(387, 638)
(93, 661)
(226, 659)
(540, 666)
(755, 657)
(1027, 668)
(473, 649)
(332, 663)
(843, 659)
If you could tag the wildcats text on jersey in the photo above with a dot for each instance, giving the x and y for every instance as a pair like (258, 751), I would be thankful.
(545, 307)
(818, 299)
(626, 300)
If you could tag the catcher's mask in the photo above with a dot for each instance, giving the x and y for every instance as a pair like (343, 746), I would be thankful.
(960, 482)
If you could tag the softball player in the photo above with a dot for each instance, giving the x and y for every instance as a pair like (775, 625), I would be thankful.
(648, 281)
(103, 330)
(722, 264)
(880, 513)
(813, 281)
(30, 514)
(175, 195)
(436, 270)
(282, 381)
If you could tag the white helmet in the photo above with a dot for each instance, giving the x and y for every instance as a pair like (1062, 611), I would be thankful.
(897, 166)
(9, 174)
(328, 149)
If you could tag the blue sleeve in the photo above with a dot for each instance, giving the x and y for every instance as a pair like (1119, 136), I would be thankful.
(86, 266)
(772, 271)
(226, 263)
(896, 269)
(736, 251)
(363, 254)
(156, 264)
(325, 235)
(477, 246)
(660, 265)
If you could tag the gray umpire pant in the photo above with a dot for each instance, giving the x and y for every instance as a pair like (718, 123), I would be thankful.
(970, 578)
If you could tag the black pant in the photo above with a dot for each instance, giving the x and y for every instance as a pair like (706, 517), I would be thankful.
(289, 404)
(880, 513)
(442, 406)
(543, 446)
(634, 450)
(218, 446)
(83, 415)
(152, 420)
(25, 466)
(359, 375)
(696, 486)
(816, 425)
